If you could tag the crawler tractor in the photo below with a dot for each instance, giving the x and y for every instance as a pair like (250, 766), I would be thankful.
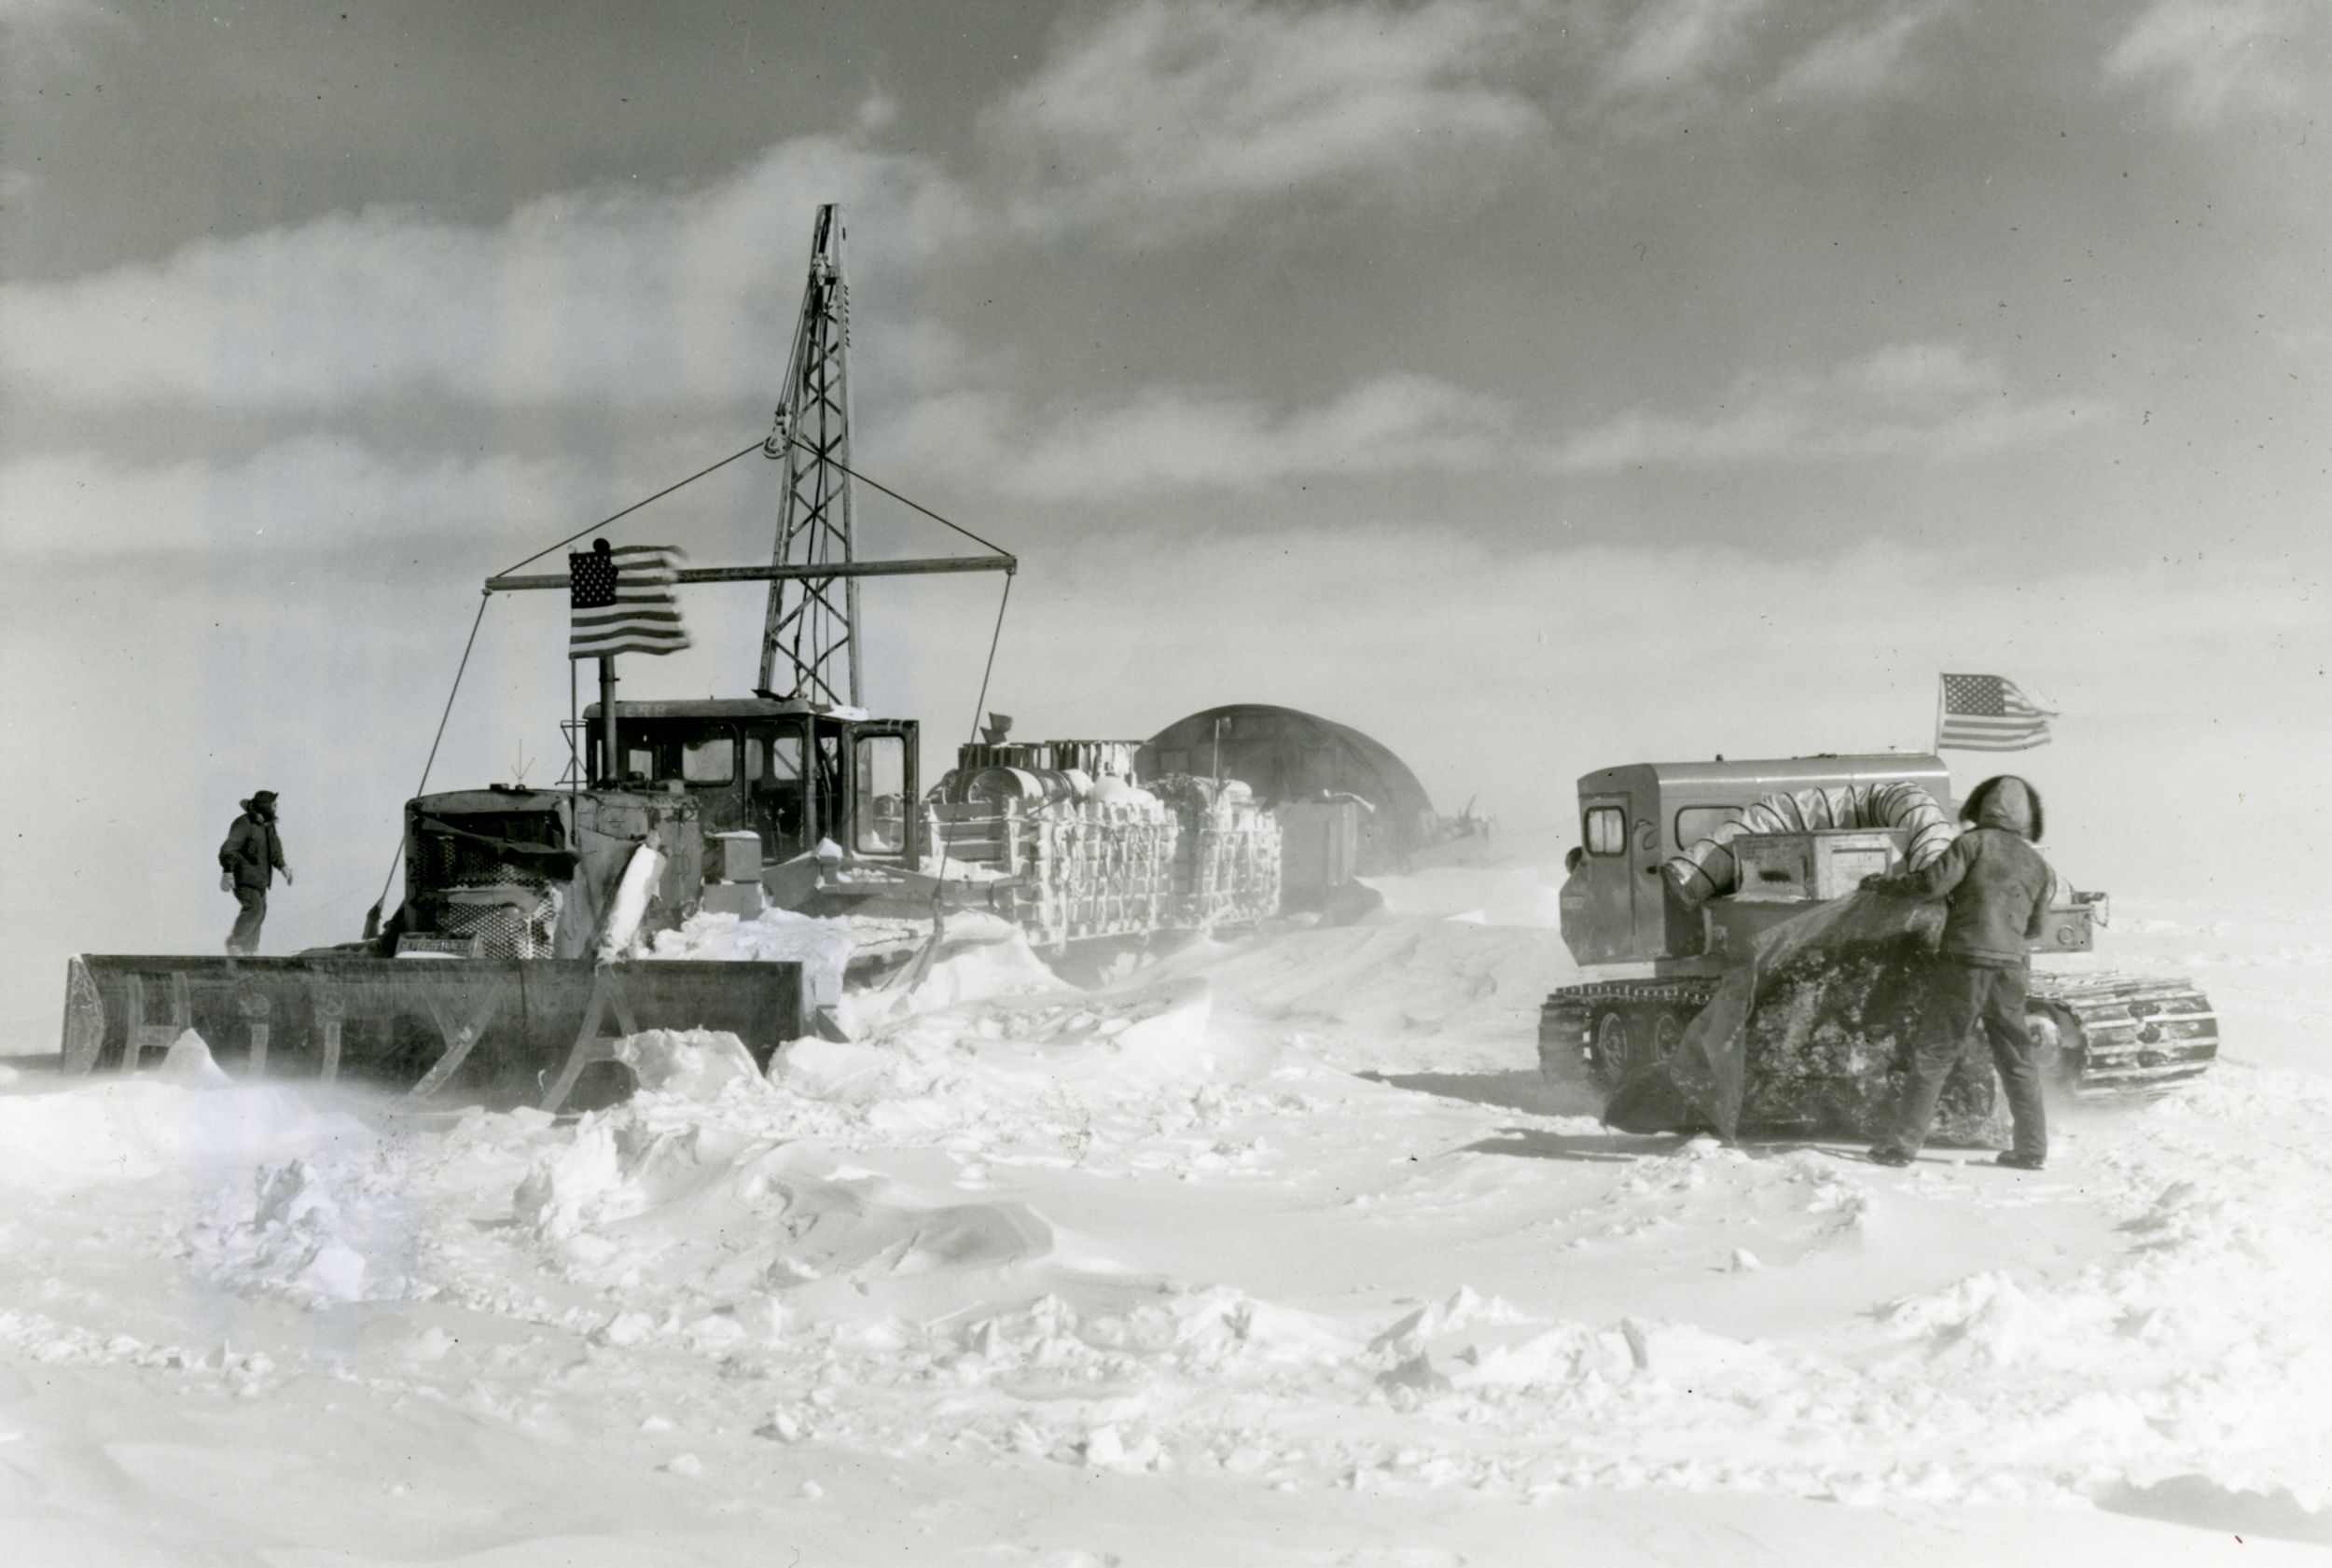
(1683, 867)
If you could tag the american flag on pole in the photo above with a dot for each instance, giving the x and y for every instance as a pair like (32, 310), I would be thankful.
(621, 601)
(1987, 712)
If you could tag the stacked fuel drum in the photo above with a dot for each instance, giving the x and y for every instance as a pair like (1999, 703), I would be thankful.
(1092, 854)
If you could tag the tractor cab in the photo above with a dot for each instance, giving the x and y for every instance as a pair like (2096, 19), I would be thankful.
(790, 772)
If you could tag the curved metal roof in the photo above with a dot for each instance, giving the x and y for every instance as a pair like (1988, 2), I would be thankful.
(1260, 732)
(1784, 773)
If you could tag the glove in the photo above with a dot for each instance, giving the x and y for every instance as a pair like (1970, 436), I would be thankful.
(227, 881)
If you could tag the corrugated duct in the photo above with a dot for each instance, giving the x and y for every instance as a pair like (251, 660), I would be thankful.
(1706, 868)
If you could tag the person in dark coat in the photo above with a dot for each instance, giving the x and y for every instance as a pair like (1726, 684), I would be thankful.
(1995, 889)
(247, 862)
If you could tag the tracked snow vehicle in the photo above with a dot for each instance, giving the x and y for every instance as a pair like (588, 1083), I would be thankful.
(1681, 867)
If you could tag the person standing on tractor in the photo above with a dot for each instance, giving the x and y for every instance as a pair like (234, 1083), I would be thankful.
(1995, 889)
(247, 862)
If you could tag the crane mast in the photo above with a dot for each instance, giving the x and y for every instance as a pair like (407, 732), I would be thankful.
(810, 633)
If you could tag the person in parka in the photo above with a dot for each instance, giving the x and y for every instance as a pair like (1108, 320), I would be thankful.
(1995, 889)
(247, 862)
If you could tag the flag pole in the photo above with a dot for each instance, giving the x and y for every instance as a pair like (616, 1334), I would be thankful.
(610, 768)
(1938, 712)
(577, 750)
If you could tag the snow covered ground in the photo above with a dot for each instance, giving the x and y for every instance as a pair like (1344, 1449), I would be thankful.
(1275, 1252)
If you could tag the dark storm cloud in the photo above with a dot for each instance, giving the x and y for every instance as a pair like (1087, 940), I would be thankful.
(1119, 254)
(143, 127)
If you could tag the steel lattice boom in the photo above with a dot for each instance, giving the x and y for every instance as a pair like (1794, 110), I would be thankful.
(810, 636)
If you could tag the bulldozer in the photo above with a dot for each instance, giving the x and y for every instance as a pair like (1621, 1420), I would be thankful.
(1712, 998)
(514, 967)
(500, 979)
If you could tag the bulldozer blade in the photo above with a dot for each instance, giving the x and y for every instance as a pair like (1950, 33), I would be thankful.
(498, 1031)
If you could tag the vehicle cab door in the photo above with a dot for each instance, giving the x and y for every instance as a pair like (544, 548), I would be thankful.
(881, 819)
(1600, 901)
(777, 794)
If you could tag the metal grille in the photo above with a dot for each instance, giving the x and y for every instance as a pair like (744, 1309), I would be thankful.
(447, 862)
(446, 859)
(505, 929)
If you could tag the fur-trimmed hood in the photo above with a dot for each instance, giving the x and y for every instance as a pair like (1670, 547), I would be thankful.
(2007, 801)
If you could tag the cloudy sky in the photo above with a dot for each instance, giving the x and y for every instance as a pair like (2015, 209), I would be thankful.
(1536, 386)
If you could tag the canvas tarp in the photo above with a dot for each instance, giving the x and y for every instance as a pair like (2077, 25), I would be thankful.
(1806, 1036)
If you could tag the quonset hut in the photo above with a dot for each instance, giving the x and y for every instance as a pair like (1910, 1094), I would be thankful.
(1283, 756)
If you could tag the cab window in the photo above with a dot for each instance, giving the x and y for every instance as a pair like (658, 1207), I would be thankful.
(773, 758)
(1606, 831)
(879, 768)
(1696, 823)
(709, 760)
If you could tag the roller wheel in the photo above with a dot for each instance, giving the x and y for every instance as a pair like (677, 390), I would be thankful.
(1668, 1033)
(2056, 1037)
(1615, 1045)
